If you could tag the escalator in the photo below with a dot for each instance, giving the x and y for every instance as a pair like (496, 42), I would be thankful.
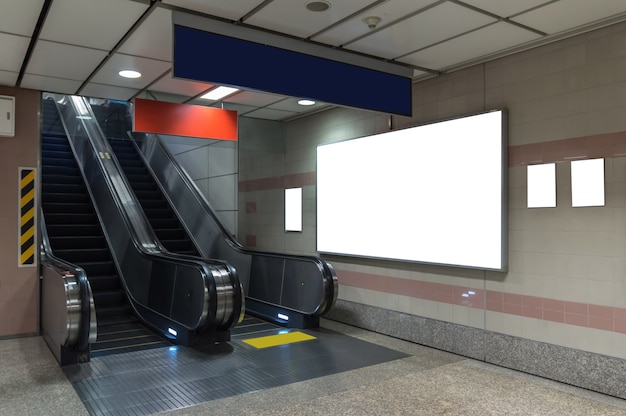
(290, 290)
(103, 268)
(75, 235)
(162, 218)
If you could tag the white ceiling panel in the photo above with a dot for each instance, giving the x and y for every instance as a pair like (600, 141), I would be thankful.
(150, 69)
(59, 60)
(269, 114)
(8, 78)
(434, 25)
(79, 35)
(232, 10)
(291, 104)
(179, 86)
(162, 96)
(50, 84)
(153, 39)
(506, 8)
(258, 99)
(293, 18)
(12, 51)
(567, 14)
(94, 23)
(388, 11)
(20, 20)
(108, 91)
(487, 40)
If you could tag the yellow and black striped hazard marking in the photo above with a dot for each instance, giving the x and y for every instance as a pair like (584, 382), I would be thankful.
(27, 217)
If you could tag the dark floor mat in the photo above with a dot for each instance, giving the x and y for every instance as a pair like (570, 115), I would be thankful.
(157, 380)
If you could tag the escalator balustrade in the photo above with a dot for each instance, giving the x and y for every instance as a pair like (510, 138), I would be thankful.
(76, 236)
(161, 216)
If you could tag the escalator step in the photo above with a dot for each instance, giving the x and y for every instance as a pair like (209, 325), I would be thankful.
(62, 188)
(108, 320)
(64, 198)
(69, 242)
(102, 282)
(171, 234)
(178, 246)
(127, 345)
(114, 312)
(68, 208)
(56, 155)
(135, 170)
(59, 170)
(59, 162)
(56, 179)
(69, 219)
(54, 136)
(55, 147)
(102, 268)
(158, 213)
(115, 333)
(109, 297)
(168, 223)
(154, 204)
(73, 230)
(81, 256)
(150, 195)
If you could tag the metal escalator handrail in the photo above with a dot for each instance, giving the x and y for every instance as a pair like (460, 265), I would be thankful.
(193, 301)
(72, 322)
(150, 143)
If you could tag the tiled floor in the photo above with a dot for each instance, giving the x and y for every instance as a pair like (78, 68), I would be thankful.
(426, 382)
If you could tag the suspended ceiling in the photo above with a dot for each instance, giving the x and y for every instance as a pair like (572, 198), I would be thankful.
(78, 46)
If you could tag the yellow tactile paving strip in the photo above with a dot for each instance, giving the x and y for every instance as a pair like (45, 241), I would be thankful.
(279, 339)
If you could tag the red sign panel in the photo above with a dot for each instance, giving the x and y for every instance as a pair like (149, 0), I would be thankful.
(184, 120)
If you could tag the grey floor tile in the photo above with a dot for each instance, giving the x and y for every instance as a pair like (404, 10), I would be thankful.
(419, 381)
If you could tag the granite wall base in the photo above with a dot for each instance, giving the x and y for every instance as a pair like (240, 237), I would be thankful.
(584, 369)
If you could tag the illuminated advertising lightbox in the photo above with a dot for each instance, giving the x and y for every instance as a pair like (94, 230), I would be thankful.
(435, 194)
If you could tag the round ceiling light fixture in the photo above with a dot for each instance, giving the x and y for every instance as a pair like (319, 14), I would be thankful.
(306, 102)
(318, 6)
(129, 73)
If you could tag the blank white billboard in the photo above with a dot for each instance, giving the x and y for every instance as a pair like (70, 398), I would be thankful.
(434, 193)
(588, 183)
(541, 185)
(293, 209)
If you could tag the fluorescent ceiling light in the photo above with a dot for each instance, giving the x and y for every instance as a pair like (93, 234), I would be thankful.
(306, 102)
(129, 73)
(219, 93)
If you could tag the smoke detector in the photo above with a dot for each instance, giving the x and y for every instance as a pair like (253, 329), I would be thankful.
(372, 21)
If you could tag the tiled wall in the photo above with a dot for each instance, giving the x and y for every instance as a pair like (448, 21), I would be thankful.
(212, 164)
(566, 283)
(19, 286)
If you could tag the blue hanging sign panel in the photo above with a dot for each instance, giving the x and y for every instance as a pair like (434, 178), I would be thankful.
(266, 62)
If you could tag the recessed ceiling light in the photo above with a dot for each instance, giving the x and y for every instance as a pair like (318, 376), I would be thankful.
(129, 73)
(219, 93)
(306, 102)
(318, 6)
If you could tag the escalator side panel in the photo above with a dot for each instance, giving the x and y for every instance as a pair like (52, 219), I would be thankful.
(75, 234)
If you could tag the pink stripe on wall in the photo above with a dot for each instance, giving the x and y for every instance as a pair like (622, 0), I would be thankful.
(586, 147)
(437, 292)
(278, 182)
(606, 318)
